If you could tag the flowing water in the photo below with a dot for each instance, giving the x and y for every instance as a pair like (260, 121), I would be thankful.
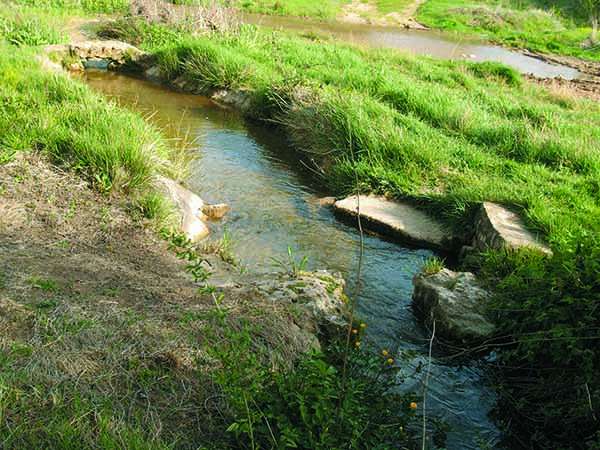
(274, 202)
(419, 42)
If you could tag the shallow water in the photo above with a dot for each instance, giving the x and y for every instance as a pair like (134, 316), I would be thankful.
(419, 42)
(275, 205)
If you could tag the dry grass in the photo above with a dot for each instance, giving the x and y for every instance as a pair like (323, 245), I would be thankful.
(209, 16)
(103, 335)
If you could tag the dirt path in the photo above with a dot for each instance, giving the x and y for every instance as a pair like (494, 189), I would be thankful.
(359, 12)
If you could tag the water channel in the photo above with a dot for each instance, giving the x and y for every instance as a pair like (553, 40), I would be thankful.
(418, 42)
(275, 204)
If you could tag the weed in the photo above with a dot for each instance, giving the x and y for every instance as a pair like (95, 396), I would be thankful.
(309, 406)
(433, 265)
(293, 266)
(45, 284)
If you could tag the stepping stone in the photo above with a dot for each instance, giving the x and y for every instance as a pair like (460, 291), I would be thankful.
(398, 220)
(497, 227)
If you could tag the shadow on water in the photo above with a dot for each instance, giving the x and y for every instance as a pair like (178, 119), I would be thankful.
(275, 204)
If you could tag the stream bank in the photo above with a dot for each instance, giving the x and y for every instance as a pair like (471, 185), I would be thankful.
(275, 204)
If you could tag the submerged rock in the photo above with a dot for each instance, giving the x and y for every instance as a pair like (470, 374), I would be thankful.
(456, 302)
(398, 220)
(238, 99)
(497, 227)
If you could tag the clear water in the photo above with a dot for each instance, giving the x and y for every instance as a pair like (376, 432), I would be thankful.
(275, 204)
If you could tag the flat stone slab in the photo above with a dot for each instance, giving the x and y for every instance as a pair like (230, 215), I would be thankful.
(398, 220)
(497, 227)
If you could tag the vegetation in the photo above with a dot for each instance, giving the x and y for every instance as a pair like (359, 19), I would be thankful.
(449, 135)
(114, 148)
(165, 366)
(547, 27)
(326, 9)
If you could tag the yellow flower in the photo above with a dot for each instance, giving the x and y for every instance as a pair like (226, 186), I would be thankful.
(413, 405)
(357, 343)
(363, 325)
(354, 331)
(390, 361)
(384, 352)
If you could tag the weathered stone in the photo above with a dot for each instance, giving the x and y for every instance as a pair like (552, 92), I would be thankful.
(398, 220)
(497, 227)
(108, 50)
(189, 206)
(327, 201)
(216, 211)
(456, 302)
(320, 295)
(238, 99)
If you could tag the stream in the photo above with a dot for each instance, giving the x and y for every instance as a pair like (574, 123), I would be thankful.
(418, 42)
(275, 204)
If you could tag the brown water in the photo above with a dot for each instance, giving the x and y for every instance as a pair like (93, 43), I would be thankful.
(274, 202)
(418, 42)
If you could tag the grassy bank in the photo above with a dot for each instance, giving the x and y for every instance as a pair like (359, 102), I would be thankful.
(449, 135)
(109, 339)
(537, 26)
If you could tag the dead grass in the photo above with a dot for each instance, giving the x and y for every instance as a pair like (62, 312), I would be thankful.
(104, 338)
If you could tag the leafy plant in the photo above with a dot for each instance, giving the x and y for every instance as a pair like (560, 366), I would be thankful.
(311, 405)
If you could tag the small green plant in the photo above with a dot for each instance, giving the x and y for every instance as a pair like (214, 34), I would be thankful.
(433, 265)
(45, 284)
(185, 250)
(293, 266)
(309, 406)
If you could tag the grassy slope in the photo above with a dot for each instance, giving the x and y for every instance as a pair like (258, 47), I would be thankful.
(522, 24)
(451, 134)
(104, 341)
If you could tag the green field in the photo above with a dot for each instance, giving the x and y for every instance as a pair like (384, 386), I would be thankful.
(537, 26)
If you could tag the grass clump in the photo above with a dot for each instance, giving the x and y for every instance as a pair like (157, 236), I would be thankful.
(112, 147)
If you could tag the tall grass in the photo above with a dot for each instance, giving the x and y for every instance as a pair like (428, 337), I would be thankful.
(450, 134)
(114, 148)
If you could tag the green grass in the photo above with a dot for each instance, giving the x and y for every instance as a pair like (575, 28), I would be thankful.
(522, 24)
(325, 9)
(390, 6)
(448, 135)
(63, 118)
(89, 6)
(452, 134)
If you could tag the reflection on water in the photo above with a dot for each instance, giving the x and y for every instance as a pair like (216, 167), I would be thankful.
(274, 204)
(418, 42)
